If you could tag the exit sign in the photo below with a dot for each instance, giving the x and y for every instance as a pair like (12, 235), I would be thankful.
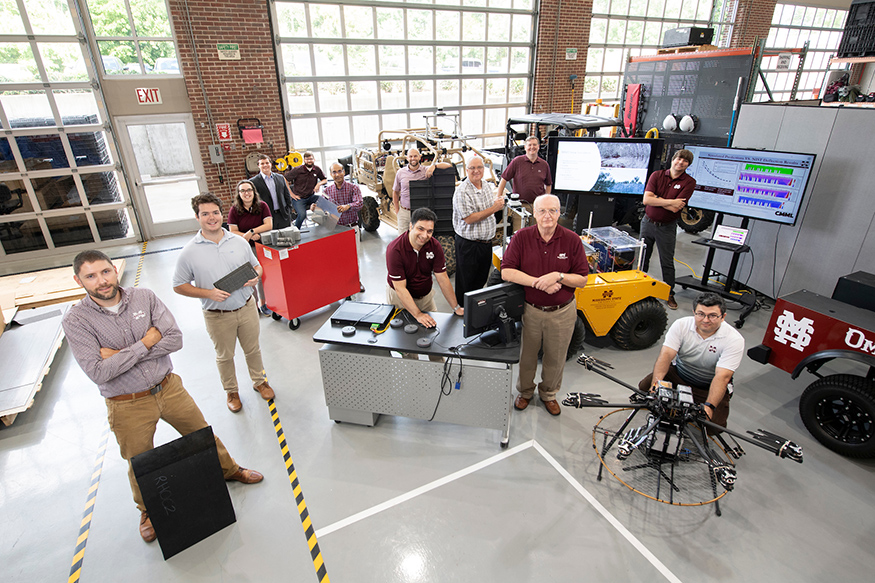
(150, 96)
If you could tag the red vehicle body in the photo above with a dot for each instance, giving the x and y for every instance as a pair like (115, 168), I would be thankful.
(805, 332)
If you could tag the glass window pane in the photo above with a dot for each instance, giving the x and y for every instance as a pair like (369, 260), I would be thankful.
(613, 60)
(600, 6)
(616, 31)
(365, 128)
(498, 29)
(113, 224)
(634, 32)
(49, 16)
(325, 20)
(63, 61)
(395, 121)
(638, 8)
(421, 60)
(22, 236)
(594, 59)
(522, 28)
(390, 23)
(27, 108)
(518, 90)
(332, 96)
(688, 10)
(109, 17)
(472, 93)
(652, 34)
(42, 152)
(291, 18)
(169, 202)
(598, 30)
(472, 122)
(497, 60)
(119, 57)
(89, 149)
(335, 131)
(296, 60)
(447, 59)
(102, 187)
(13, 198)
(69, 230)
(361, 60)
(656, 8)
(10, 18)
(673, 8)
(359, 21)
(473, 26)
(159, 57)
(305, 132)
(392, 94)
(472, 61)
(448, 93)
(495, 120)
(56, 192)
(422, 93)
(391, 60)
(161, 150)
(363, 95)
(448, 25)
(519, 60)
(328, 58)
(420, 25)
(150, 18)
(301, 98)
(17, 64)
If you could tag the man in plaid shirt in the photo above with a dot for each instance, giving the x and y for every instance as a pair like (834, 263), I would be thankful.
(348, 198)
(474, 207)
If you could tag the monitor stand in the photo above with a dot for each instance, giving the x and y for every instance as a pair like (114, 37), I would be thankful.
(505, 335)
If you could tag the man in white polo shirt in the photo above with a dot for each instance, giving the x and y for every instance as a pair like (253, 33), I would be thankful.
(701, 351)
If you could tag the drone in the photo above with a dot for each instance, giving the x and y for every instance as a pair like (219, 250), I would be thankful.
(662, 458)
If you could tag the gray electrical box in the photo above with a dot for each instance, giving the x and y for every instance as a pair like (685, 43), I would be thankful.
(217, 156)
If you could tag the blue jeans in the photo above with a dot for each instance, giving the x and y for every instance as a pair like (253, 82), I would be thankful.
(301, 206)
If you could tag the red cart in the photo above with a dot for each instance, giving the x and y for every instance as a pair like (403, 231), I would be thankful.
(321, 269)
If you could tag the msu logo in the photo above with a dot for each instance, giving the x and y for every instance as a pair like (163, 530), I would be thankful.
(607, 293)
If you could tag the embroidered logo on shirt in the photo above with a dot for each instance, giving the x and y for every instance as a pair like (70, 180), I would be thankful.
(429, 255)
(677, 186)
(712, 348)
(139, 314)
(562, 256)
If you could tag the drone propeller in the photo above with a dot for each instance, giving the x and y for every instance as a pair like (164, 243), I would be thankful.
(784, 448)
(580, 400)
(590, 362)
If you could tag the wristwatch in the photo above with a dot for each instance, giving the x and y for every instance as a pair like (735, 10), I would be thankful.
(707, 404)
(561, 276)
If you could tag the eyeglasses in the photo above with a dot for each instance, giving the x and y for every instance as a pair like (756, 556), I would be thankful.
(473, 168)
(242, 190)
(709, 317)
(553, 212)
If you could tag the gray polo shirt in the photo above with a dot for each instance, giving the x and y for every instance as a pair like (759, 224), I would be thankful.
(698, 357)
(203, 262)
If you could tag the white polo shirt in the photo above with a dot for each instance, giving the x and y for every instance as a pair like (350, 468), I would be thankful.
(697, 357)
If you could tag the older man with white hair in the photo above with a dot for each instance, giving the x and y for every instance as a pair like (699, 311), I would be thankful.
(549, 260)
(401, 189)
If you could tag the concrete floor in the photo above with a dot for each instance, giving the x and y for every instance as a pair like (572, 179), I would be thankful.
(412, 501)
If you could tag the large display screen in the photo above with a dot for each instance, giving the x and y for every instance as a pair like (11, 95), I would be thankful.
(602, 165)
(757, 184)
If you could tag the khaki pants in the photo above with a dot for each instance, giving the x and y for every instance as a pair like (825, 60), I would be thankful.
(134, 422)
(425, 304)
(225, 328)
(551, 331)
(403, 220)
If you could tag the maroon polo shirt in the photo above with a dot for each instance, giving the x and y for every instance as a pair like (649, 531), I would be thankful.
(304, 180)
(403, 263)
(530, 179)
(529, 253)
(662, 185)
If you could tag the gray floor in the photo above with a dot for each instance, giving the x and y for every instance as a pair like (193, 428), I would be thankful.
(414, 501)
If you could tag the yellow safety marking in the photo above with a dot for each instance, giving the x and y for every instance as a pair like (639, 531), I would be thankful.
(91, 498)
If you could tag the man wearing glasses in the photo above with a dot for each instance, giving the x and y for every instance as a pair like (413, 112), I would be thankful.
(474, 208)
(550, 262)
(701, 351)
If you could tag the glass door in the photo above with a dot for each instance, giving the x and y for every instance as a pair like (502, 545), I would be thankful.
(165, 171)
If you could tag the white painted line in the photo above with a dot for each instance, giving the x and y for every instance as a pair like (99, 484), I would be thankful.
(639, 546)
(422, 490)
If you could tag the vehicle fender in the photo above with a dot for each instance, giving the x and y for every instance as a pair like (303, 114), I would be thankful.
(860, 357)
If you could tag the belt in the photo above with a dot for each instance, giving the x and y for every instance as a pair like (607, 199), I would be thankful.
(405, 208)
(141, 394)
(230, 311)
(659, 223)
(483, 241)
(551, 308)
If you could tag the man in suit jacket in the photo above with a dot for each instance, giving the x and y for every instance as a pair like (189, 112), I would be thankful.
(273, 189)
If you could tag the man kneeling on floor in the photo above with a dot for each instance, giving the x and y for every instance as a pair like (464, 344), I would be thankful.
(701, 351)
(122, 338)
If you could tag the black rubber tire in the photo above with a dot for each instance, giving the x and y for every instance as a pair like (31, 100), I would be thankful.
(370, 214)
(276, 316)
(494, 277)
(695, 220)
(294, 324)
(839, 411)
(641, 325)
(575, 347)
(448, 244)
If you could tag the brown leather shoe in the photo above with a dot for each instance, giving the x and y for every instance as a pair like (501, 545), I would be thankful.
(672, 303)
(265, 391)
(246, 476)
(520, 403)
(234, 403)
(552, 407)
(146, 530)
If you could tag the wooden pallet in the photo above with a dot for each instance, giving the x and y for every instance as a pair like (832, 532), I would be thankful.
(686, 49)
(43, 288)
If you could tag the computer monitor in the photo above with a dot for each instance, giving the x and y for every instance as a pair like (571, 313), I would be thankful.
(609, 166)
(757, 184)
(493, 313)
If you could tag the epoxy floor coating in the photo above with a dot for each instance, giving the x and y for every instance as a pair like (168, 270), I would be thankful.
(412, 501)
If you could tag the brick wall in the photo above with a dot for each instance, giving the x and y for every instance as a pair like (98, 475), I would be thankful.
(234, 89)
(752, 19)
(552, 88)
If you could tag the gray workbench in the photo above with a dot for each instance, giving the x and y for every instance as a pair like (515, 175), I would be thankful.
(363, 380)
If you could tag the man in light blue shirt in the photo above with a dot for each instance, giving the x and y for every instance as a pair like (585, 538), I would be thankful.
(211, 255)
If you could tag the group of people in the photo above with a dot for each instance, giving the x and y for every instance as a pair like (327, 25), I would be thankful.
(123, 337)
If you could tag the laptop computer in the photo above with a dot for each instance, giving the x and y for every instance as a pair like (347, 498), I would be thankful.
(730, 235)
(362, 314)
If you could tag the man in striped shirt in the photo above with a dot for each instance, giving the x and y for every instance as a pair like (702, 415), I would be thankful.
(122, 338)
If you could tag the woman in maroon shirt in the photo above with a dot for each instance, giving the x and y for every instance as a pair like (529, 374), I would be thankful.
(249, 217)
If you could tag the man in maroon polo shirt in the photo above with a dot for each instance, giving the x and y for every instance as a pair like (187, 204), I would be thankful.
(530, 174)
(666, 193)
(410, 261)
(550, 262)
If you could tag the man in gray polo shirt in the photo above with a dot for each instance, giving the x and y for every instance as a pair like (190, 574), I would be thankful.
(211, 255)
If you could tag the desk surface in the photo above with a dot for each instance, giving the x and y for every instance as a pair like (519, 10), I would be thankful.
(448, 334)
(313, 233)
